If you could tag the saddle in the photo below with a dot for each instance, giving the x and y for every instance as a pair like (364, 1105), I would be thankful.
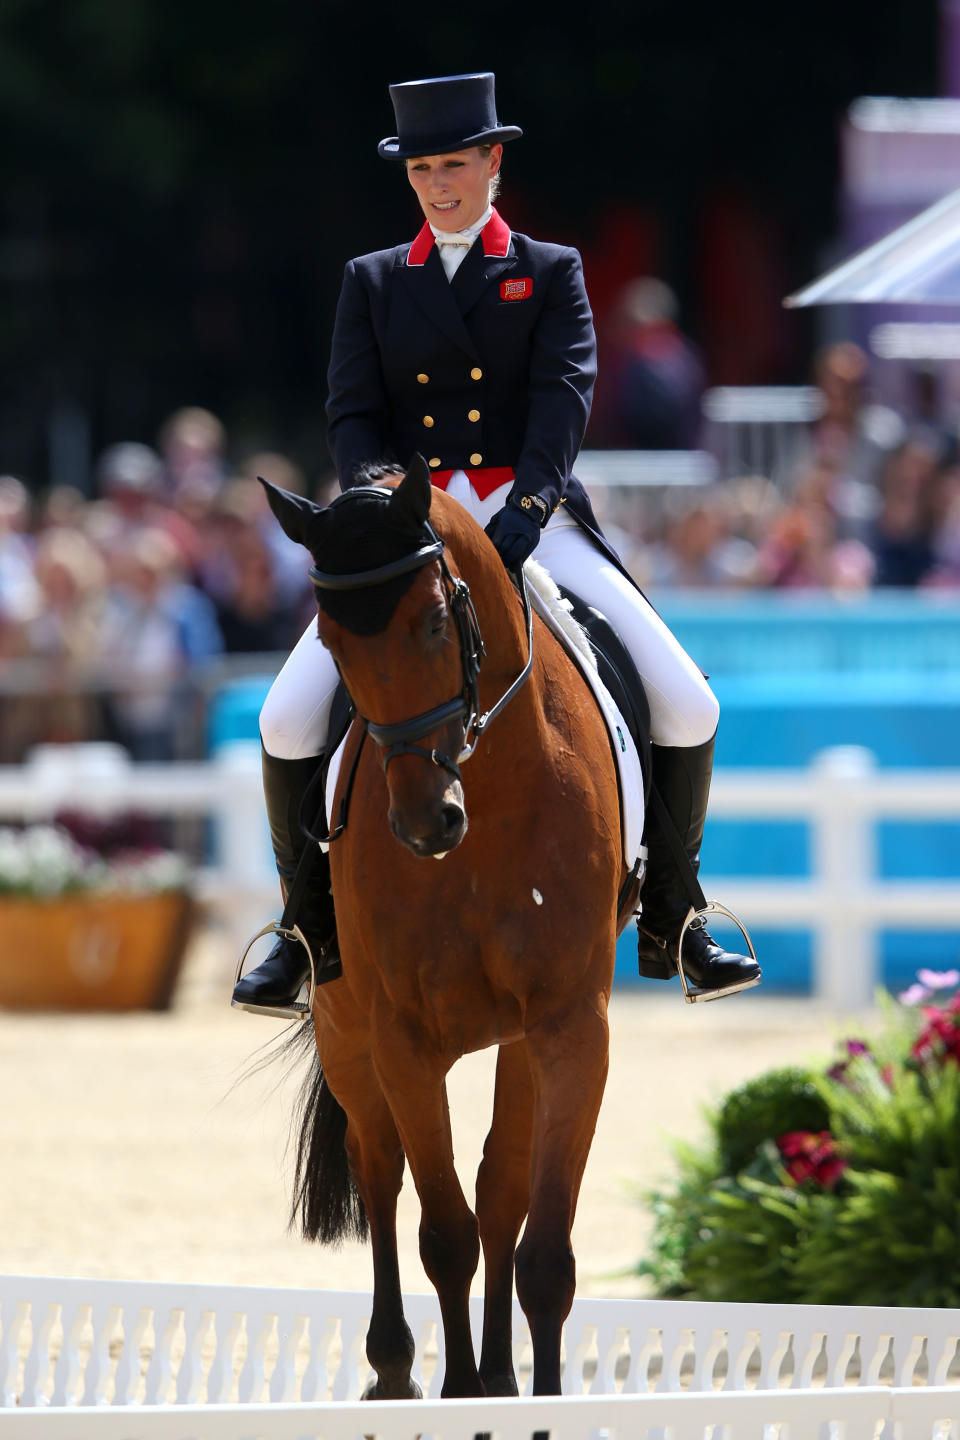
(620, 676)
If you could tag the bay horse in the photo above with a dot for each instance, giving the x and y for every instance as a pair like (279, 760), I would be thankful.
(509, 941)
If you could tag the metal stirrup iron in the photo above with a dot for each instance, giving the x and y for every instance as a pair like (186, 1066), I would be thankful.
(696, 919)
(297, 1010)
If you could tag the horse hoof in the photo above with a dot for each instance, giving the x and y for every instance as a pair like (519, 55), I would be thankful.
(376, 1390)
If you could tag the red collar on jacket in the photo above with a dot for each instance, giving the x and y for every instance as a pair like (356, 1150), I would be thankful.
(495, 236)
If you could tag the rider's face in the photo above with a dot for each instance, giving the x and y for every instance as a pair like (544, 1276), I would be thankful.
(454, 189)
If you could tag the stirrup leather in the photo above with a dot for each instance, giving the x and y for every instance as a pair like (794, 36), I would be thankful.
(696, 919)
(298, 1010)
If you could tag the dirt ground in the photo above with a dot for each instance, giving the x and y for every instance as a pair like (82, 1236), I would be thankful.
(134, 1146)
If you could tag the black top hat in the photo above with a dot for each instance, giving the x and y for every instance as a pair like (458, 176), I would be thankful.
(449, 113)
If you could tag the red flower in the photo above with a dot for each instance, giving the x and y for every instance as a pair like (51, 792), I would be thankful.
(811, 1155)
(940, 1037)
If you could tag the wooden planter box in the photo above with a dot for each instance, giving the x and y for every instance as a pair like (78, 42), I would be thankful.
(92, 952)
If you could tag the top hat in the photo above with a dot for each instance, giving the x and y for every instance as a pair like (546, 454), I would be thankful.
(452, 112)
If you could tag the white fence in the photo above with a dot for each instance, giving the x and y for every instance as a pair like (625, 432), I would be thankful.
(93, 1359)
(842, 795)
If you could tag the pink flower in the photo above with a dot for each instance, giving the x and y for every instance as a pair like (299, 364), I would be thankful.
(915, 995)
(811, 1155)
(939, 979)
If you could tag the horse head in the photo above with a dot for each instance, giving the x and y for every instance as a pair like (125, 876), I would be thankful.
(390, 613)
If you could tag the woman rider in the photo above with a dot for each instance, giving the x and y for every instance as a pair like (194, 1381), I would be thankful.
(475, 346)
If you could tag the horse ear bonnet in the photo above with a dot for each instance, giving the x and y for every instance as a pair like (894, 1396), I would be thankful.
(300, 519)
(410, 502)
(361, 531)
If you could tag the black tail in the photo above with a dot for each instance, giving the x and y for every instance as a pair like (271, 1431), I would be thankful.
(326, 1203)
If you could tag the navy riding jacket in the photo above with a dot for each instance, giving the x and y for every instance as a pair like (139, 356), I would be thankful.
(489, 372)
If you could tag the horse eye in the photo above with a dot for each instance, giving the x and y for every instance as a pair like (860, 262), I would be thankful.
(438, 622)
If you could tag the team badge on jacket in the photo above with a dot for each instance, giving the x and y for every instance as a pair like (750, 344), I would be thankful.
(516, 289)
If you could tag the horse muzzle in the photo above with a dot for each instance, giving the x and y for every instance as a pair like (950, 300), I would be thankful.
(434, 830)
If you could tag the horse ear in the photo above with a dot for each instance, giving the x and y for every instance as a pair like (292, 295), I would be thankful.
(298, 516)
(410, 501)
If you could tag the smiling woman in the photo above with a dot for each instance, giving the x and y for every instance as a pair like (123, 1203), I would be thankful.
(455, 190)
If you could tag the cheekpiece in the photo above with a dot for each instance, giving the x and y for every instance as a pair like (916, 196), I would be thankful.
(452, 112)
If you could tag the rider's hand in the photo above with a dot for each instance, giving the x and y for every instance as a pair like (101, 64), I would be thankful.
(515, 532)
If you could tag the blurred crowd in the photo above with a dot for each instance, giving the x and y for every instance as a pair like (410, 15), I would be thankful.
(869, 495)
(111, 602)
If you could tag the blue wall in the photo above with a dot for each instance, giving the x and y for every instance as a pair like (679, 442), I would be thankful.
(795, 675)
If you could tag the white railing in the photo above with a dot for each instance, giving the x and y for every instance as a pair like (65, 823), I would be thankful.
(102, 1358)
(842, 795)
(874, 1414)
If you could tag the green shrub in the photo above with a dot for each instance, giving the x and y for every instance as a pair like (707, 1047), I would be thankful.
(836, 1188)
(772, 1104)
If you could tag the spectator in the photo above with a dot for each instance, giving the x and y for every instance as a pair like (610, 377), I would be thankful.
(852, 438)
(652, 377)
(698, 550)
(903, 541)
(155, 626)
(193, 444)
(19, 595)
(801, 551)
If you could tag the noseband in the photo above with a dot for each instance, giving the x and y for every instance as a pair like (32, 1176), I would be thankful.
(396, 739)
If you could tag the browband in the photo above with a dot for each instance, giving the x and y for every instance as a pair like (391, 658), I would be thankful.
(362, 579)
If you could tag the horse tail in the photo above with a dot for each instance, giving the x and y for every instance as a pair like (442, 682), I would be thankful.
(326, 1203)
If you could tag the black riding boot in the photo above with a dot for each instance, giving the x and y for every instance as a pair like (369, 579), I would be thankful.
(276, 982)
(682, 777)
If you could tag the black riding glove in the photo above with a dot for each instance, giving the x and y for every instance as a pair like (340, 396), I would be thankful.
(515, 531)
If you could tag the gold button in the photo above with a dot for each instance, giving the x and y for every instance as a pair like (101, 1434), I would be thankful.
(434, 463)
(476, 459)
(473, 415)
(428, 421)
(476, 373)
(423, 379)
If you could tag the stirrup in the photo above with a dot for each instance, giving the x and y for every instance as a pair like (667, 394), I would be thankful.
(690, 994)
(297, 1010)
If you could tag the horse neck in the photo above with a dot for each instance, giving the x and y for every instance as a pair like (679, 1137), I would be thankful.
(495, 600)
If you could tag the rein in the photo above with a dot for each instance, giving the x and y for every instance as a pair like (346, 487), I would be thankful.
(397, 738)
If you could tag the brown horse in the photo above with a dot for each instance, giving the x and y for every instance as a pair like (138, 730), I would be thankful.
(509, 941)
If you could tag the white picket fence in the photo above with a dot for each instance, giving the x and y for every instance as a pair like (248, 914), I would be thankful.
(94, 1359)
(842, 795)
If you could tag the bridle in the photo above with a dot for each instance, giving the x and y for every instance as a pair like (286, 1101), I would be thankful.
(397, 739)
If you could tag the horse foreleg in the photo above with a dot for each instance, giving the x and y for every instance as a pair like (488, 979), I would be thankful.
(568, 1063)
(449, 1241)
(503, 1194)
(376, 1163)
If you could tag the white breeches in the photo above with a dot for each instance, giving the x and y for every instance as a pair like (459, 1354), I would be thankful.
(683, 710)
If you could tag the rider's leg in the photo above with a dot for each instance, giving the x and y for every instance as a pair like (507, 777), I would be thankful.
(683, 722)
(294, 723)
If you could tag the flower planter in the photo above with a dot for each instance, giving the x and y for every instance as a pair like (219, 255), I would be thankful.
(92, 951)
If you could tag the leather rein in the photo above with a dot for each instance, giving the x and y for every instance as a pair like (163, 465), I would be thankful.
(397, 738)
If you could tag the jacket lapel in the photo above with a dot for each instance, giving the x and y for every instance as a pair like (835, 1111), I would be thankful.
(426, 280)
(491, 254)
(476, 273)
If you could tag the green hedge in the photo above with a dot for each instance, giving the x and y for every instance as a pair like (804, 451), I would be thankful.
(840, 1187)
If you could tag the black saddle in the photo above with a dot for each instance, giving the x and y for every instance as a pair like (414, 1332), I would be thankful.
(620, 676)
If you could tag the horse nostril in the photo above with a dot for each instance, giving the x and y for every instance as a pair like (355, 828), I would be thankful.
(452, 818)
